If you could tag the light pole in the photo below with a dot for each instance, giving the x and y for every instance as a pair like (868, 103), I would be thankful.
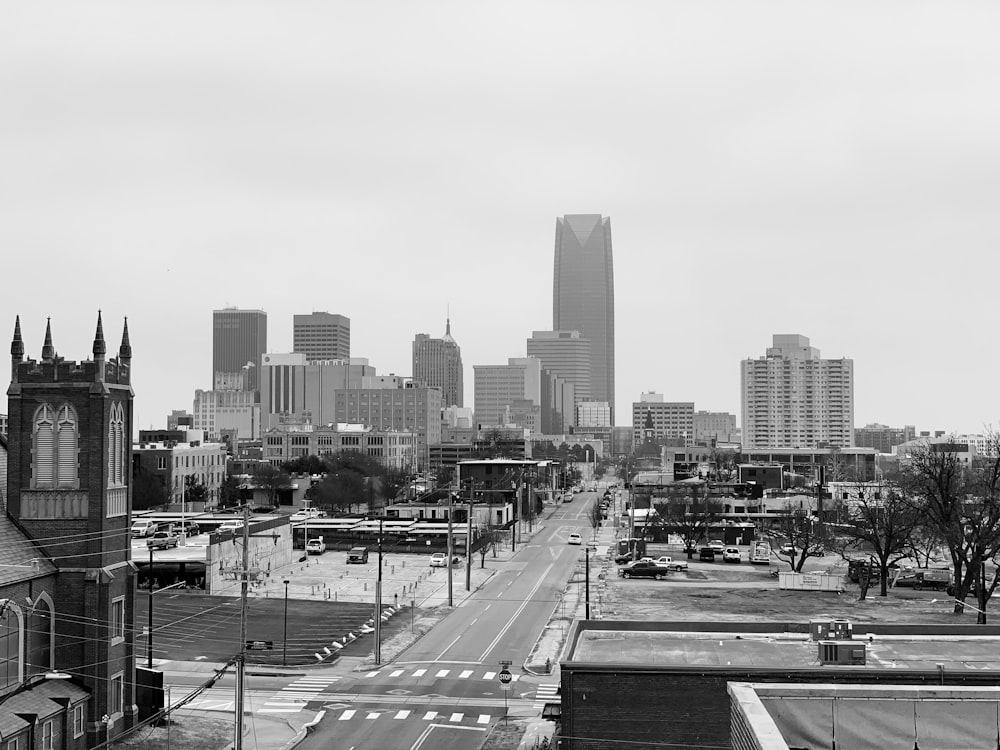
(587, 579)
(378, 599)
(284, 638)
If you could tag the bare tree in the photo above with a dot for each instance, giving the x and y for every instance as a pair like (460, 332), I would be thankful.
(690, 519)
(806, 537)
(879, 521)
(595, 515)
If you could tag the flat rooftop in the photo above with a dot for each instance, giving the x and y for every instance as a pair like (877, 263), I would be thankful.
(633, 645)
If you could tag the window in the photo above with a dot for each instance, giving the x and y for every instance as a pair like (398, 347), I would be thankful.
(161, 462)
(55, 447)
(79, 720)
(10, 644)
(14, 743)
(48, 731)
(117, 624)
(116, 446)
(116, 694)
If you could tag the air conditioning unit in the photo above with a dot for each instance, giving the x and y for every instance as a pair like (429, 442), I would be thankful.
(841, 630)
(819, 630)
(842, 652)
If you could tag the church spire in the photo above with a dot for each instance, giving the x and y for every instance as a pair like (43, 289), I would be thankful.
(125, 350)
(17, 344)
(100, 348)
(48, 351)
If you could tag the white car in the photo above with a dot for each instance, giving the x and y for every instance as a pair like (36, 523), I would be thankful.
(668, 562)
(307, 514)
(732, 554)
(575, 539)
(440, 560)
(315, 547)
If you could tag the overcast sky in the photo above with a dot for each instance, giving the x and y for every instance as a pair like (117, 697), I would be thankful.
(829, 169)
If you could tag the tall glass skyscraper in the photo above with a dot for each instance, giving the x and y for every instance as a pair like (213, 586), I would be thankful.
(584, 294)
(437, 363)
(239, 340)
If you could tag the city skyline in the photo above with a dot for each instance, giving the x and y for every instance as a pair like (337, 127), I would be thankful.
(825, 170)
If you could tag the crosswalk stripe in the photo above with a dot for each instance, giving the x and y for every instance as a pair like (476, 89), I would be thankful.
(443, 673)
(420, 673)
(347, 715)
(465, 674)
(489, 675)
(483, 719)
(372, 674)
(515, 677)
(456, 717)
(401, 715)
(429, 716)
(280, 710)
(397, 673)
(372, 715)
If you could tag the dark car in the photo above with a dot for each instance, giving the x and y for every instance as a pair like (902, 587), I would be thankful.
(625, 557)
(644, 569)
(357, 555)
(706, 554)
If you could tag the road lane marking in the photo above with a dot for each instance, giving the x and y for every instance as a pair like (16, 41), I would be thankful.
(373, 715)
(517, 613)
(489, 675)
(483, 719)
(346, 715)
(396, 673)
(372, 674)
(420, 673)
(456, 717)
(442, 673)
(401, 715)
(465, 674)
(430, 715)
(457, 638)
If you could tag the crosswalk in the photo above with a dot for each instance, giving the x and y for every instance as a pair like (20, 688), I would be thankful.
(294, 697)
(455, 674)
(429, 716)
(546, 694)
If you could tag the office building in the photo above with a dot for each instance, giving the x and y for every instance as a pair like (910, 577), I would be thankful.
(714, 426)
(239, 340)
(172, 462)
(322, 336)
(593, 414)
(567, 355)
(437, 363)
(584, 295)
(236, 412)
(289, 386)
(558, 397)
(669, 421)
(499, 387)
(289, 441)
(792, 398)
(882, 437)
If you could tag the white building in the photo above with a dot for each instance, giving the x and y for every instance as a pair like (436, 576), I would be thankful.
(792, 398)
(291, 440)
(593, 414)
(215, 411)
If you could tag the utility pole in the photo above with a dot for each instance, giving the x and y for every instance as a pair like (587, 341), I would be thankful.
(450, 499)
(378, 599)
(468, 543)
(242, 658)
(587, 574)
(149, 637)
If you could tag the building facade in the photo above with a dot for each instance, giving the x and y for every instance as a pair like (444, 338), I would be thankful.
(792, 398)
(498, 387)
(593, 414)
(437, 363)
(557, 411)
(671, 420)
(322, 336)
(239, 340)
(396, 450)
(718, 426)
(216, 412)
(567, 355)
(882, 437)
(173, 461)
(67, 504)
(583, 296)
(291, 386)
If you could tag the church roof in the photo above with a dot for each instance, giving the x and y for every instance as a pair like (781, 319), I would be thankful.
(17, 553)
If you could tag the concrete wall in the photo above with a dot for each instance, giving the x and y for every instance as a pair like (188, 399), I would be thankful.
(224, 555)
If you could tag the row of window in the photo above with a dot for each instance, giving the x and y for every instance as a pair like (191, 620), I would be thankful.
(55, 447)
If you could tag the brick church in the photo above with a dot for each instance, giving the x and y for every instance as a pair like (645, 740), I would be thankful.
(67, 582)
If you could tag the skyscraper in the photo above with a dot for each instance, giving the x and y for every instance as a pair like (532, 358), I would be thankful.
(239, 340)
(502, 389)
(566, 354)
(584, 294)
(437, 363)
(322, 336)
(792, 398)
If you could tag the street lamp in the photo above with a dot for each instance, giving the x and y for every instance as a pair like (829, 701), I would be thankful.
(284, 638)
(587, 579)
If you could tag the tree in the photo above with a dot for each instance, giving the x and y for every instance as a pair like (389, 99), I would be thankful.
(880, 520)
(492, 537)
(272, 481)
(595, 515)
(691, 519)
(338, 492)
(148, 490)
(304, 465)
(230, 492)
(194, 491)
(725, 464)
(807, 537)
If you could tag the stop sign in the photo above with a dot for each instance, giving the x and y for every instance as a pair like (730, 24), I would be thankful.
(504, 676)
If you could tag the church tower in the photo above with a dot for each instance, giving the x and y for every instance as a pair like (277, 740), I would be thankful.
(70, 446)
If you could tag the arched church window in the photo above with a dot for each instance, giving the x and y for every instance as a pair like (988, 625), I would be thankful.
(11, 634)
(40, 637)
(116, 446)
(44, 447)
(66, 446)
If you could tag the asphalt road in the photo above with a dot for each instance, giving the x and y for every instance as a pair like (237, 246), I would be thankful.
(443, 692)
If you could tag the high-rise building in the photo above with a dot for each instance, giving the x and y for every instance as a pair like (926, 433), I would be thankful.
(792, 398)
(437, 363)
(882, 437)
(567, 354)
(322, 336)
(593, 414)
(719, 426)
(584, 294)
(291, 387)
(500, 387)
(558, 409)
(239, 340)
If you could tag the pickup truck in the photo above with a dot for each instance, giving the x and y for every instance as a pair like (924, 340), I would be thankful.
(162, 540)
(670, 563)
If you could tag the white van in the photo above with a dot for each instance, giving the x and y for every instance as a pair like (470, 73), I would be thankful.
(143, 527)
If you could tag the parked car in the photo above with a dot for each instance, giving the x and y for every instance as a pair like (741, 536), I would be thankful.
(644, 569)
(670, 563)
(732, 555)
(357, 555)
(575, 538)
(188, 528)
(706, 554)
(716, 545)
(930, 578)
(625, 557)
(233, 524)
(143, 527)
(787, 549)
(306, 514)
(162, 540)
(440, 560)
(315, 547)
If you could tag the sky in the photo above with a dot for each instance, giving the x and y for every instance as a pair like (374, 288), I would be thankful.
(830, 169)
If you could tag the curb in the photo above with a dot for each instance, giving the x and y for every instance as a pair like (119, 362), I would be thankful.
(304, 731)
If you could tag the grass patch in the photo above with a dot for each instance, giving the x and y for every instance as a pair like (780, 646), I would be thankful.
(505, 735)
(187, 731)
